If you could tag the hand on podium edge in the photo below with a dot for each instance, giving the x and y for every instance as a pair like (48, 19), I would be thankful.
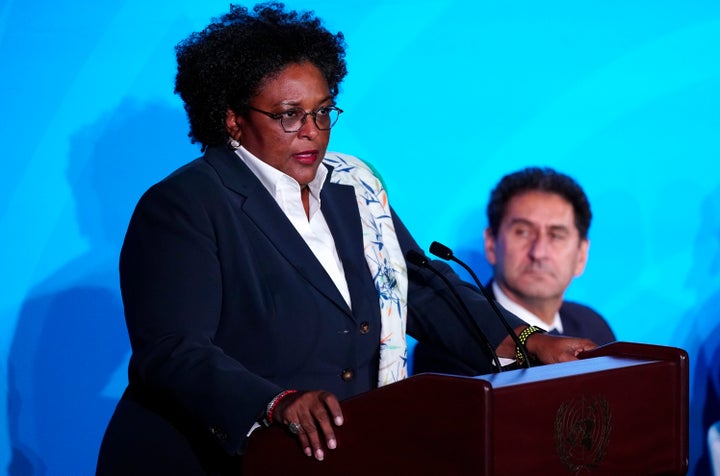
(546, 348)
(311, 416)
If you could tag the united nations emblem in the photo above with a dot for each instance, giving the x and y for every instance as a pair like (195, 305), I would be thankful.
(582, 432)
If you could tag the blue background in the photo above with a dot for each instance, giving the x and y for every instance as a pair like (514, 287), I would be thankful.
(442, 97)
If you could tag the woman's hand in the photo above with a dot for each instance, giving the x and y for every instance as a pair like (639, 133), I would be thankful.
(312, 417)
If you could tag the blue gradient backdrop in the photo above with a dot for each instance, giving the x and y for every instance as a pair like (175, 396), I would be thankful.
(442, 97)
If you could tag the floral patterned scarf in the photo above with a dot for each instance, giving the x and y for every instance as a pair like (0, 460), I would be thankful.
(384, 258)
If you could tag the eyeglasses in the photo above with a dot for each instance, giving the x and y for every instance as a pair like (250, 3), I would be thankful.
(293, 119)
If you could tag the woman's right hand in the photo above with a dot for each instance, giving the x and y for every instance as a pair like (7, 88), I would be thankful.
(317, 412)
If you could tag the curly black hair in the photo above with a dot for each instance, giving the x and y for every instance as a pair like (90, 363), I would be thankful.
(223, 66)
(543, 179)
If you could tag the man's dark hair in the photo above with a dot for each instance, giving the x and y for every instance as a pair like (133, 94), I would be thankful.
(542, 179)
(223, 66)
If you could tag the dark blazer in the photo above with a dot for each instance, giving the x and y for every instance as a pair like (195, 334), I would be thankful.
(578, 321)
(226, 306)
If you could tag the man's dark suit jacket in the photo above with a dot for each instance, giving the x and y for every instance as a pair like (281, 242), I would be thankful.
(577, 320)
(226, 306)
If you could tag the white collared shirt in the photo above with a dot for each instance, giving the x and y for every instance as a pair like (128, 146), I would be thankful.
(313, 230)
(523, 313)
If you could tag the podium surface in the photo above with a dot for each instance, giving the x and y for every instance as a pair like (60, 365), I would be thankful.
(620, 410)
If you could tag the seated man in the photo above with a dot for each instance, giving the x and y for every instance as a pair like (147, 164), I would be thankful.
(536, 242)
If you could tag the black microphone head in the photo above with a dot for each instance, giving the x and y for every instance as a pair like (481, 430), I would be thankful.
(440, 250)
(416, 258)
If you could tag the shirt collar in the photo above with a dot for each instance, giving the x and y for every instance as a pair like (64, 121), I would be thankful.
(523, 313)
(272, 178)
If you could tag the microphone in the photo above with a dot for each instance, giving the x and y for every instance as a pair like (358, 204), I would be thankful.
(419, 259)
(442, 251)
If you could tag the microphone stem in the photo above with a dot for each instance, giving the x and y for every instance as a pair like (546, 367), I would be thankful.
(495, 308)
(420, 260)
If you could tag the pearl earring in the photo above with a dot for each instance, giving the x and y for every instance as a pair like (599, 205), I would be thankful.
(233, 143)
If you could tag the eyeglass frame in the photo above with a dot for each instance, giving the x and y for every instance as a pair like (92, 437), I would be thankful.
(278, 116)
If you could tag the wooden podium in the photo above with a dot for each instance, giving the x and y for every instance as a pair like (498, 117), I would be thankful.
(620, 410)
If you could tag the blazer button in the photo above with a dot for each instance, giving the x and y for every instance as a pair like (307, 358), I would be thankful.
(364, 327)
(347, 375)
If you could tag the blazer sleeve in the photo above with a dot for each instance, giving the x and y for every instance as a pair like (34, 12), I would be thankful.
(171, 285)
(436, 317)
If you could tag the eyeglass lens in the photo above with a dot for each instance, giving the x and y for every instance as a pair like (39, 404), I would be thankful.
(324, 119)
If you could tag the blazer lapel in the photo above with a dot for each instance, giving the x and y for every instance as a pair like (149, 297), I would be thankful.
(264, 211)
(340, 209)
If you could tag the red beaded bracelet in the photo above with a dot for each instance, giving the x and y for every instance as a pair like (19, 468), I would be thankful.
(273, 403)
